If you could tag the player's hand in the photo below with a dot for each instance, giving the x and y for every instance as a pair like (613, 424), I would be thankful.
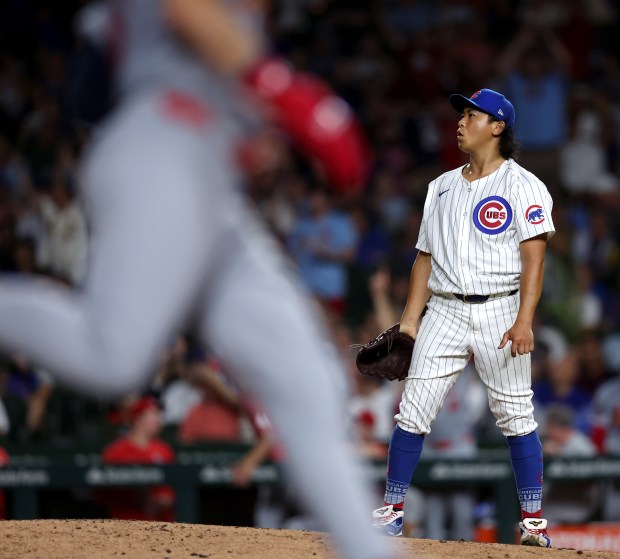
(521, 338)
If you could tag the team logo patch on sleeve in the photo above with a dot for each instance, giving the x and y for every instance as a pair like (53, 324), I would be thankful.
(492, 215)
(535, 214)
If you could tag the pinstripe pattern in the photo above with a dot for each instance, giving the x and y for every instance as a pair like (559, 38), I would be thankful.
(465, 259)
(451, 332)
(480, 258)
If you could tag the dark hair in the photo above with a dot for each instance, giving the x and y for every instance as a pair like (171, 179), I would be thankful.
(508, 143)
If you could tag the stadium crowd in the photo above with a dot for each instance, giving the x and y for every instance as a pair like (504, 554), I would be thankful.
(395, 62)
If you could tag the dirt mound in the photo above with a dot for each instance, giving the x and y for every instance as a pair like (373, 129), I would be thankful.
(114, 539)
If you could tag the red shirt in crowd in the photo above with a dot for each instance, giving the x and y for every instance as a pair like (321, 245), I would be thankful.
(145, 503)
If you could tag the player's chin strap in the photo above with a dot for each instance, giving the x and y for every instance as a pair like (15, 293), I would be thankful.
(320, 123)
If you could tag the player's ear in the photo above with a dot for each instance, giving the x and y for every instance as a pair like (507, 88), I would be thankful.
(497, 127)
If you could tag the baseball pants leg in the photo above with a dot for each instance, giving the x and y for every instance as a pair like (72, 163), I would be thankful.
(154, 224)
(263, 327)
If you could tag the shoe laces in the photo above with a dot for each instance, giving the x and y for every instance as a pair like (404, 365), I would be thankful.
(539, 532)
(389, 518)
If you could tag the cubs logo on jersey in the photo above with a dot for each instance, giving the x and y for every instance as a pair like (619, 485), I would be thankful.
(535, 214)
(493, 215)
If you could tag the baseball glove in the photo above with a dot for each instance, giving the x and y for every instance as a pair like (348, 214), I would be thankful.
(387, 356)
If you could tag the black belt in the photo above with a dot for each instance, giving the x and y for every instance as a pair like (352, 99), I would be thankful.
(482, 298)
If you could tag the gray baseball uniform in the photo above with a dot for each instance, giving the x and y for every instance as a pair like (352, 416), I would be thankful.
(172, 236)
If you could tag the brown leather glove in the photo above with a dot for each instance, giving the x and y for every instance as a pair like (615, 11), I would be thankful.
(386, 356)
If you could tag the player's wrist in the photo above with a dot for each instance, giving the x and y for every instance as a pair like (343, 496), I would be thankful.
(524, 322)
(409, 327)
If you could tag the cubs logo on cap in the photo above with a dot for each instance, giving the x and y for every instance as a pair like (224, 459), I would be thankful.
(493, 215)
(488, 101)
(535, 214)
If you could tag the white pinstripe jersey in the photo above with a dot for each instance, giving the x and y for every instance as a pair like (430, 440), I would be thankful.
(473, 230)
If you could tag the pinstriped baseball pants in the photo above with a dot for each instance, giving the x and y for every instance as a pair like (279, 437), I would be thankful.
(451, 332)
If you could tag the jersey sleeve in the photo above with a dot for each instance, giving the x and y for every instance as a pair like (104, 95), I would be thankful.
(533, 206)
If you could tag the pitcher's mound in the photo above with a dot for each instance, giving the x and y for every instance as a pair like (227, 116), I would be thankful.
(116, 539)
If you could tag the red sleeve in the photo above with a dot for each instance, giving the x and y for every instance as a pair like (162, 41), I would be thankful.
(118, 452)
(598, 435)
(165, 452)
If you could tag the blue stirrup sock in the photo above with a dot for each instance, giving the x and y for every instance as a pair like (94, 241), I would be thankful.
(403, 457)
(527, 463)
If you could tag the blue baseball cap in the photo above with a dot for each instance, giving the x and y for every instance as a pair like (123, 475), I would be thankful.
(488, 101)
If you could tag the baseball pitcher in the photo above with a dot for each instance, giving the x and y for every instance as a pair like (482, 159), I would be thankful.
(479, 273)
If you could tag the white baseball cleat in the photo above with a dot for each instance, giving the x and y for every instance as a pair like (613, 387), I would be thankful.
(534, 532)
(388, 520)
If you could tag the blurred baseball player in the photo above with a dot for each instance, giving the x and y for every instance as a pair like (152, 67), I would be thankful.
(479, 272)
(173, 236)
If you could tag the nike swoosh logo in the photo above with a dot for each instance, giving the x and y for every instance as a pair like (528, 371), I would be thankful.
(442, 193)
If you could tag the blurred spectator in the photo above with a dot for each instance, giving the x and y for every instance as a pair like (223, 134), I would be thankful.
(265, 445)
(594, 370)
(560, 385)
(323, 243)
(389, 199)
(606, 409)
(281, 207)
(583, 158)
(374, 241)
(560, 436)
(25, 256)
(223, 414)
(65, 223)
(611, 352)
(26, 395)
(598, 246)
(140, 445)
(368, 446)
(590, 300)
(385, 309)
(174, 384)
(372, 407)
(575, 502)
(14, 174)
(38, 135)
(611, 308)
(217, 416)
(606, 434)
(560, 304)
(551, 345)
(535, 66)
